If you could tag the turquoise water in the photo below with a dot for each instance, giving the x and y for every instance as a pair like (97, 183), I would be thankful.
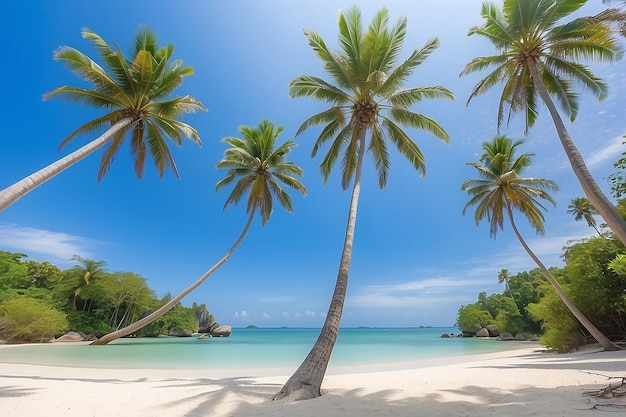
(259, 348)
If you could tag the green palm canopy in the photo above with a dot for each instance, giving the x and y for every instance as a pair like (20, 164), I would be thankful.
(500, 189)
(258, 169)
(367, 95)
(135, 90)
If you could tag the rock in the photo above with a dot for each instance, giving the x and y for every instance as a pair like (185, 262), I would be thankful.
(470, 331)
(222, 331)
(180, 333)
(70, 337)
(482, 333)
(506, 336)
(493, 330)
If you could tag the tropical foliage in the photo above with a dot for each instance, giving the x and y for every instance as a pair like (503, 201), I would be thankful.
(38, 301)
(366, 102)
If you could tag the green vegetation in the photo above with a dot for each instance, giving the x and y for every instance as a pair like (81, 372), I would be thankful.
(594, 278)
(38, 301)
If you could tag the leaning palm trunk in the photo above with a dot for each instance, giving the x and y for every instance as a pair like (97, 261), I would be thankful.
(18, 190)
(593, 192)
(593, 330)
(132, 328)
(306, 382)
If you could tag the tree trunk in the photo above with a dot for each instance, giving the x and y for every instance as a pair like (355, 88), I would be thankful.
(306, 382)
(593, 192)
(170, 304)
(18, 190)
(597, 334)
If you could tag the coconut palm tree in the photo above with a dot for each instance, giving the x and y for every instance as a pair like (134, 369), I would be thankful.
(503, 276)
(259, 169)
(538, 55)
(365, 102)
(500, 190)
(581, 208)
(134, 92)
(85, 271)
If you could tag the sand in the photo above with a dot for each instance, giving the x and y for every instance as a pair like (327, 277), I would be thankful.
(523, 382)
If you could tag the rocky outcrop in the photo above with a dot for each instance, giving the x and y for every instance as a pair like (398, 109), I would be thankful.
(222, 331)
(180, 333)
(482, 333)
(470, 331)
(493, 330)
(71, 337)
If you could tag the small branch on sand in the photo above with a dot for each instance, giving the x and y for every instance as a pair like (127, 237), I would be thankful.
(611, 392)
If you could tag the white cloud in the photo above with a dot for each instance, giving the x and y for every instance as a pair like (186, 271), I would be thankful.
(309, 313)
(609, 152)
(60, 246)
(243, 315)
(266, 316)
(285, 315)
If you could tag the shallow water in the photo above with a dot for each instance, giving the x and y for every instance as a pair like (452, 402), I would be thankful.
(259, 348)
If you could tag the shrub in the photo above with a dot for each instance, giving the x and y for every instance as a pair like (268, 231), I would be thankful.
(29, 320)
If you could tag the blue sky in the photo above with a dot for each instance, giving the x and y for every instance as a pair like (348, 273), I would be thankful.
(416, 259)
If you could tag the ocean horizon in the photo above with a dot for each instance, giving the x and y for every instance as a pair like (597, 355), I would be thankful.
(254, 348)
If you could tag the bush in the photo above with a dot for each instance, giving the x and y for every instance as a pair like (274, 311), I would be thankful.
(28, 320)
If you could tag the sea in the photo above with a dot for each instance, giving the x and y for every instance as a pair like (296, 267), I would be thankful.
(250, 348)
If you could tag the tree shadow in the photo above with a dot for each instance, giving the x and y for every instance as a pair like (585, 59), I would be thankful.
(14, 391)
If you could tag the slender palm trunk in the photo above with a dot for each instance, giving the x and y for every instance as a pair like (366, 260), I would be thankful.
(18, 190)
(306, 382)
(593, 330)
(593, 192)
(132, 328)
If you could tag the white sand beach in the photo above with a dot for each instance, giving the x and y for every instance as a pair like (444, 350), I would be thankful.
(523, 382)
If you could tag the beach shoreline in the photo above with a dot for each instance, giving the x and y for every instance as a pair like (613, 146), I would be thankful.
(520, 382)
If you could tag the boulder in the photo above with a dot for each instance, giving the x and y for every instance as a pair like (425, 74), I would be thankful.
(180, 333)
(482, 333)
(222, 331)
(470, 331)
(506, 336)
(493, 330)
(70, 337)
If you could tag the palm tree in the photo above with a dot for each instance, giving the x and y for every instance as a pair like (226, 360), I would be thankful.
(503, 276)
(581, 208)
(258, 170)
(85, 271)
(500, 190)
(366, 101)
(133, 92)
(537, 55)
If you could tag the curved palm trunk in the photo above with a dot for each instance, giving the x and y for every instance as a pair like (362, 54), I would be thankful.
(132, 328)
(593, 192)
(18, 190)
(306, 382)
(597, 334)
